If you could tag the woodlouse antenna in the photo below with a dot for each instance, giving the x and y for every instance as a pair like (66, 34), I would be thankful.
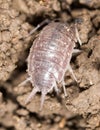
(46, 21)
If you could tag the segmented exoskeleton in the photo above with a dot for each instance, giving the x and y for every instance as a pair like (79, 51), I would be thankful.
(50, 57)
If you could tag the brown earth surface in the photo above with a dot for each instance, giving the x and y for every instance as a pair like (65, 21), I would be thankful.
(81, 109)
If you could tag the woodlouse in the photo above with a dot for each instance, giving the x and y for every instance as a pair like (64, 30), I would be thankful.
(50, 57)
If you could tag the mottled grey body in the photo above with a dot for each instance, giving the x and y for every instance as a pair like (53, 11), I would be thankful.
(50, 57)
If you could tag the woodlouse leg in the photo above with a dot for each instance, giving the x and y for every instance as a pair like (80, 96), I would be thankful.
(56, 88)
(77, 36)
(31, 95)
(71, 71)
(63, 84)
(38, 26)
(76, 51)
(24, 82)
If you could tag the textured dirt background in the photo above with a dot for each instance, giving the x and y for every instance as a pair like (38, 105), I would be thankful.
(81, 109)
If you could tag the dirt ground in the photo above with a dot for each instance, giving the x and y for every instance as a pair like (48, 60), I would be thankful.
(81, 109)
